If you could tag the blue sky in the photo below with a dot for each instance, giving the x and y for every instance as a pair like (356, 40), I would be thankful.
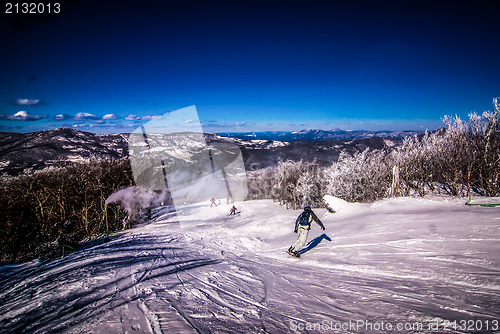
(108, 66)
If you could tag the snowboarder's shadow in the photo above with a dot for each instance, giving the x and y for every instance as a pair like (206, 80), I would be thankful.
(313, 243)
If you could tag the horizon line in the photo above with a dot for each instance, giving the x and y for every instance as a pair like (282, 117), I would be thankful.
(228, 132)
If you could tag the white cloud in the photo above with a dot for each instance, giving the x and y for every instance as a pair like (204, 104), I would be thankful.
(109, 117)
(82, 125)
(24, 116)
(216, 125)
(132, 117)
(84, 115)
(149, 118)
(27, 102)
(61, 117)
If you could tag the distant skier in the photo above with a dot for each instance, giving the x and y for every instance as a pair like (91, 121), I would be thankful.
(233, 211)
(302, 226)
(212, 202)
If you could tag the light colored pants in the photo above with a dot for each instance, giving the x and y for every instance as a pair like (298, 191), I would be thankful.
(301, 239)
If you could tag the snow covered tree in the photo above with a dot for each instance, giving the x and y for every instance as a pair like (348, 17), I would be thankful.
(260, 183)
(414, 159)
(451, 165)
(308, 188)
(296, 184)
(361, 177)
(484, 134)
(444, 156)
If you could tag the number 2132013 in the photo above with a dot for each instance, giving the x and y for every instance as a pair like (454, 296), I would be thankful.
(32, 8)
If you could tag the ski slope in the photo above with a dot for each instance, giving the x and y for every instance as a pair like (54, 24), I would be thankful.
(397, 265)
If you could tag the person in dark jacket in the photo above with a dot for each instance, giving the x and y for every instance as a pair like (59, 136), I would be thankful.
(302, 227)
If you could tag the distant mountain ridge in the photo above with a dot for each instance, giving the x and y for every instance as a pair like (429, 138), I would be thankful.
(21, 152)
(36, 150)
(320, 135)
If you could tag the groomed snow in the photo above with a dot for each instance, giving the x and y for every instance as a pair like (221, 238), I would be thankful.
(401, 262)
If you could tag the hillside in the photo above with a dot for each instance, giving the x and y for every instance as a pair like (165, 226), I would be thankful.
(36, 150)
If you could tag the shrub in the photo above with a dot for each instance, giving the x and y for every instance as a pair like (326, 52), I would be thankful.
(59, 206)
(361, 177)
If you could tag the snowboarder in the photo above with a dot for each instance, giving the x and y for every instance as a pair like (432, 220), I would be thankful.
(302, 227)
(212, 202)
(233, 211)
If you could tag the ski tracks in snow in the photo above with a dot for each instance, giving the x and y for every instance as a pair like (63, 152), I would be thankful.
(164, 279)
(222, 297)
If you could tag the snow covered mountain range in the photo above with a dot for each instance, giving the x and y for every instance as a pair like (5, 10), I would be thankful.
(36, 150)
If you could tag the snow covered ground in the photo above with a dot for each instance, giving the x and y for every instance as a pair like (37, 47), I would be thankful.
(397, 265)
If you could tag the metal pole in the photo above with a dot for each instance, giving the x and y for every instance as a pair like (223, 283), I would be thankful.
(468, 183)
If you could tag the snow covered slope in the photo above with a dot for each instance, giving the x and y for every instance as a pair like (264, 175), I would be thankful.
(402, 263)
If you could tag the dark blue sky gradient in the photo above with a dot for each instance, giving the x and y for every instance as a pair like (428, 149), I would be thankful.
(252, 65)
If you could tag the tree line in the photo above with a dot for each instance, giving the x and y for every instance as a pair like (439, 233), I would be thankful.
(45, 211)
